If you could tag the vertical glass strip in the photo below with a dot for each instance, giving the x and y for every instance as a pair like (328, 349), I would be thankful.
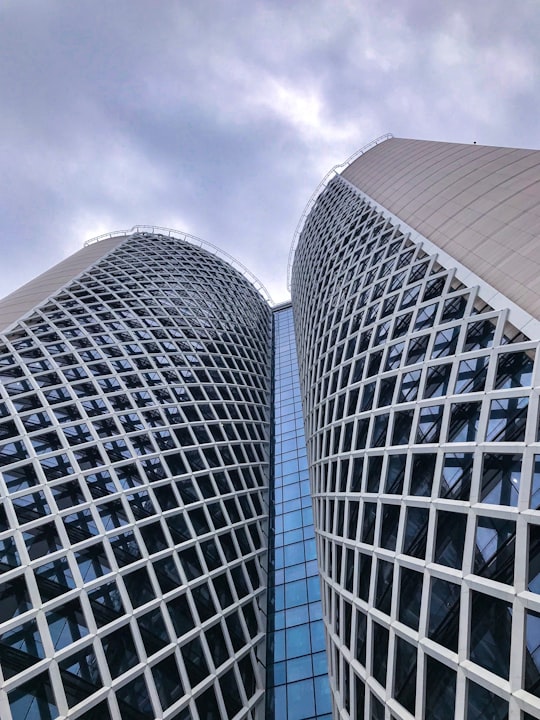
(297, 679)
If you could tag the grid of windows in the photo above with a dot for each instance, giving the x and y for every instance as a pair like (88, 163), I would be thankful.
(422, 433)
(297, 678)
(134, 442)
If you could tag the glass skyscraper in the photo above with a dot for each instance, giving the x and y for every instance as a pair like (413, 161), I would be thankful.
(215, 508)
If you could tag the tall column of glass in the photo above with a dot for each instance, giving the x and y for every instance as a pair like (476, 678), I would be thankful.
(298, 686)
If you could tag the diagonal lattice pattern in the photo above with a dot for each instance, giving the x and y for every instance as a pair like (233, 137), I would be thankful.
(134, 434)
(421, 410)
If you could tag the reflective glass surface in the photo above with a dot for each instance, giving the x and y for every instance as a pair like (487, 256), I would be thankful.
(297, 674)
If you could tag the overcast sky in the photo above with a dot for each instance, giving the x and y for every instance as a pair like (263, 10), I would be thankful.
(220, 117)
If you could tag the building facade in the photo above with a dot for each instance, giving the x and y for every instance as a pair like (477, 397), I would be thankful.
(134, 451)
(415, 292)
(210, 511)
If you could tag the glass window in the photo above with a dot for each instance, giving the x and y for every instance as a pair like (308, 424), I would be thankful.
(531, 680)
(507, 420)
(417, 350)
(395, 474)
(464, 419)
(361, 637)
(443, 622)
(472, 375)
(454, 308)
(409, 386)
(80, 675)
(67, 624)
(34, 699)
(534, 559)
(379, 652)
(450, 538)
(514, 369)
(482, 703)
(480, 334)
(390, 522)
(383, 588)
(410, 597)
(422, 472)
(491, 632)
(535, 485)
(440, 696)
(445, 342)
(414, 542)
(405, 674)
(501, 477)
(120, 651)
(402, 427)
(20, 648)
(495, 549)
(429, 424)
(456, 476)
(437, 380)
(167, 680)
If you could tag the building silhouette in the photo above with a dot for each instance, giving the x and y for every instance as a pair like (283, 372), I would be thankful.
(209, 512)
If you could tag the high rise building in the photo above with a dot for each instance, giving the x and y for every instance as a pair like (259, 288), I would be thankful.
(210, 512)
(415, 291)
(135, 432)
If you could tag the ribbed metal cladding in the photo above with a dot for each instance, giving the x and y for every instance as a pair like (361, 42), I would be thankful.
(134, 434)
(421, 412)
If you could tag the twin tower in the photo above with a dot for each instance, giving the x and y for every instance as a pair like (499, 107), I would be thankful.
(215, 508)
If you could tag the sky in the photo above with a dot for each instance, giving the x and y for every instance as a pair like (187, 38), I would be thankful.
(220, 117)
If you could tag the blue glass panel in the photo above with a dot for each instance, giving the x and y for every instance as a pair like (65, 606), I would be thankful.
(299, 668)
(297, 615)
(317, 636)
(293, 576)
(322, 695)
(301, 700)
(298, 641)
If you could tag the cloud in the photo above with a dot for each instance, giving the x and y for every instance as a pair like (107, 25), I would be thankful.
(221, 118)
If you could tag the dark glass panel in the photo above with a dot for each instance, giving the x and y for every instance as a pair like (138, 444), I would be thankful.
(429, 424)
(464, 419)
(440, 695)
(495, 549)
(422, 471)
(389, 528)
(405, 674)
(501, 477)
(472, 375)
(482, 703)
(443, 623)
(195, 662)
(383, 588)
(120, 651)
(34, 699)
(514, 370)
(414, 542)
(456, 476)
(491, 631)
(134, 700)
(507, 420)
(167, 680)
(80, 675)
(379, 653)
(410, 597)
(437, 380)
(450, 538)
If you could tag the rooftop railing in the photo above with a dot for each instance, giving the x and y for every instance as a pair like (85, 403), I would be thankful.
(192, 240)
(336, 170)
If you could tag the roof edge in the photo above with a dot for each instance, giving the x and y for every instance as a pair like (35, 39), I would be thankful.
(336, 170)
(192, 240)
